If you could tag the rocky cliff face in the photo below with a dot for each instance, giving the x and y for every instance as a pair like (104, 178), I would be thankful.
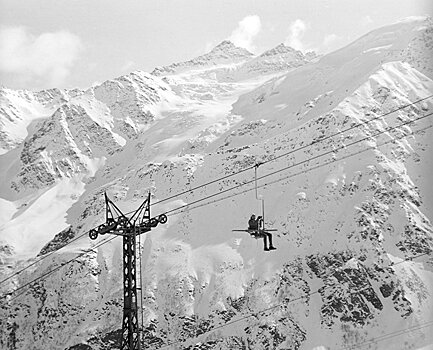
(350, 209)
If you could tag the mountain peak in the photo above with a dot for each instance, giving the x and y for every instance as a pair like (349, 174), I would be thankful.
(228, 48)
(224, 44)
(224, 52)
(283, 50)
(280, 49)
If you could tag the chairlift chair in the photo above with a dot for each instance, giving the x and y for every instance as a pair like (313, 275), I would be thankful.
(257, 233)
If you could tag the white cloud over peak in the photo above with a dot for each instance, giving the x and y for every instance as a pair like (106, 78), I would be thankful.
(48, 57)
(296, 33)
(246, 31)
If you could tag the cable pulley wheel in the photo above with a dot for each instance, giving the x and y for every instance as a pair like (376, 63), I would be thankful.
(93, 234)
(162, 218)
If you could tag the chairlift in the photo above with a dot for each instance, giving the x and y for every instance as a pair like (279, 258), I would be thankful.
(259, 231)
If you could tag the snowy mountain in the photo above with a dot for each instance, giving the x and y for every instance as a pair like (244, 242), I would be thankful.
(225, 52)
(227, 63)
(281, 58)
(345, 142)
(19, 109)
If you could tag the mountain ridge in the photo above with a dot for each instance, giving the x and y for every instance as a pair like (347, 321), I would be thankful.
(231, 57)
(225, 51)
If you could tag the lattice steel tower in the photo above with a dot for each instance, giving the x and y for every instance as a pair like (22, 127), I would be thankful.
(117, 223)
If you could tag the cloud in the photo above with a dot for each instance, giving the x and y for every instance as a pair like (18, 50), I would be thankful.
(48, 57)
(297, 30)
(246, 31)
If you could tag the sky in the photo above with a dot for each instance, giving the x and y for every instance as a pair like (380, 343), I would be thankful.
(77, 43)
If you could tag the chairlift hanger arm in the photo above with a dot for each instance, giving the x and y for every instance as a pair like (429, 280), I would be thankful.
(257, 195)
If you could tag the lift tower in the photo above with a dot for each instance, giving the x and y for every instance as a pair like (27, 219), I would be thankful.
(117, 223)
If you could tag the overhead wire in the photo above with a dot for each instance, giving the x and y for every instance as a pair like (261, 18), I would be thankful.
(411, 104)
(260, 312)
(300, 163)
(40, 259)
(388, 336)
(348, 129)
(46, 274)
(236, 173)
(293, 175)
(318, 291)
(296, 149)
(243, 184)
(187, 206)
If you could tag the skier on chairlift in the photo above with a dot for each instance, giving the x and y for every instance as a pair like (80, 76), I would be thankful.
(257, 226)
(253, 224)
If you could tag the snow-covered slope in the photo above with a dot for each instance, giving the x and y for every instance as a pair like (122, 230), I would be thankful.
(19, 108)
(349, 210)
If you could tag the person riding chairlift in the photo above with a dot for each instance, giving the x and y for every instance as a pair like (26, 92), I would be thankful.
(256, 225)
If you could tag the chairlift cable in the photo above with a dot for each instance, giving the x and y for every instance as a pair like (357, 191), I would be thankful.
(292, 151)
(302, 162)
(304, 171)
(260, 312)
(187, 208)
(388, 336)
(293, 175)
(233, 174)
(207, 197)
(45, 275)
(42, 258)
